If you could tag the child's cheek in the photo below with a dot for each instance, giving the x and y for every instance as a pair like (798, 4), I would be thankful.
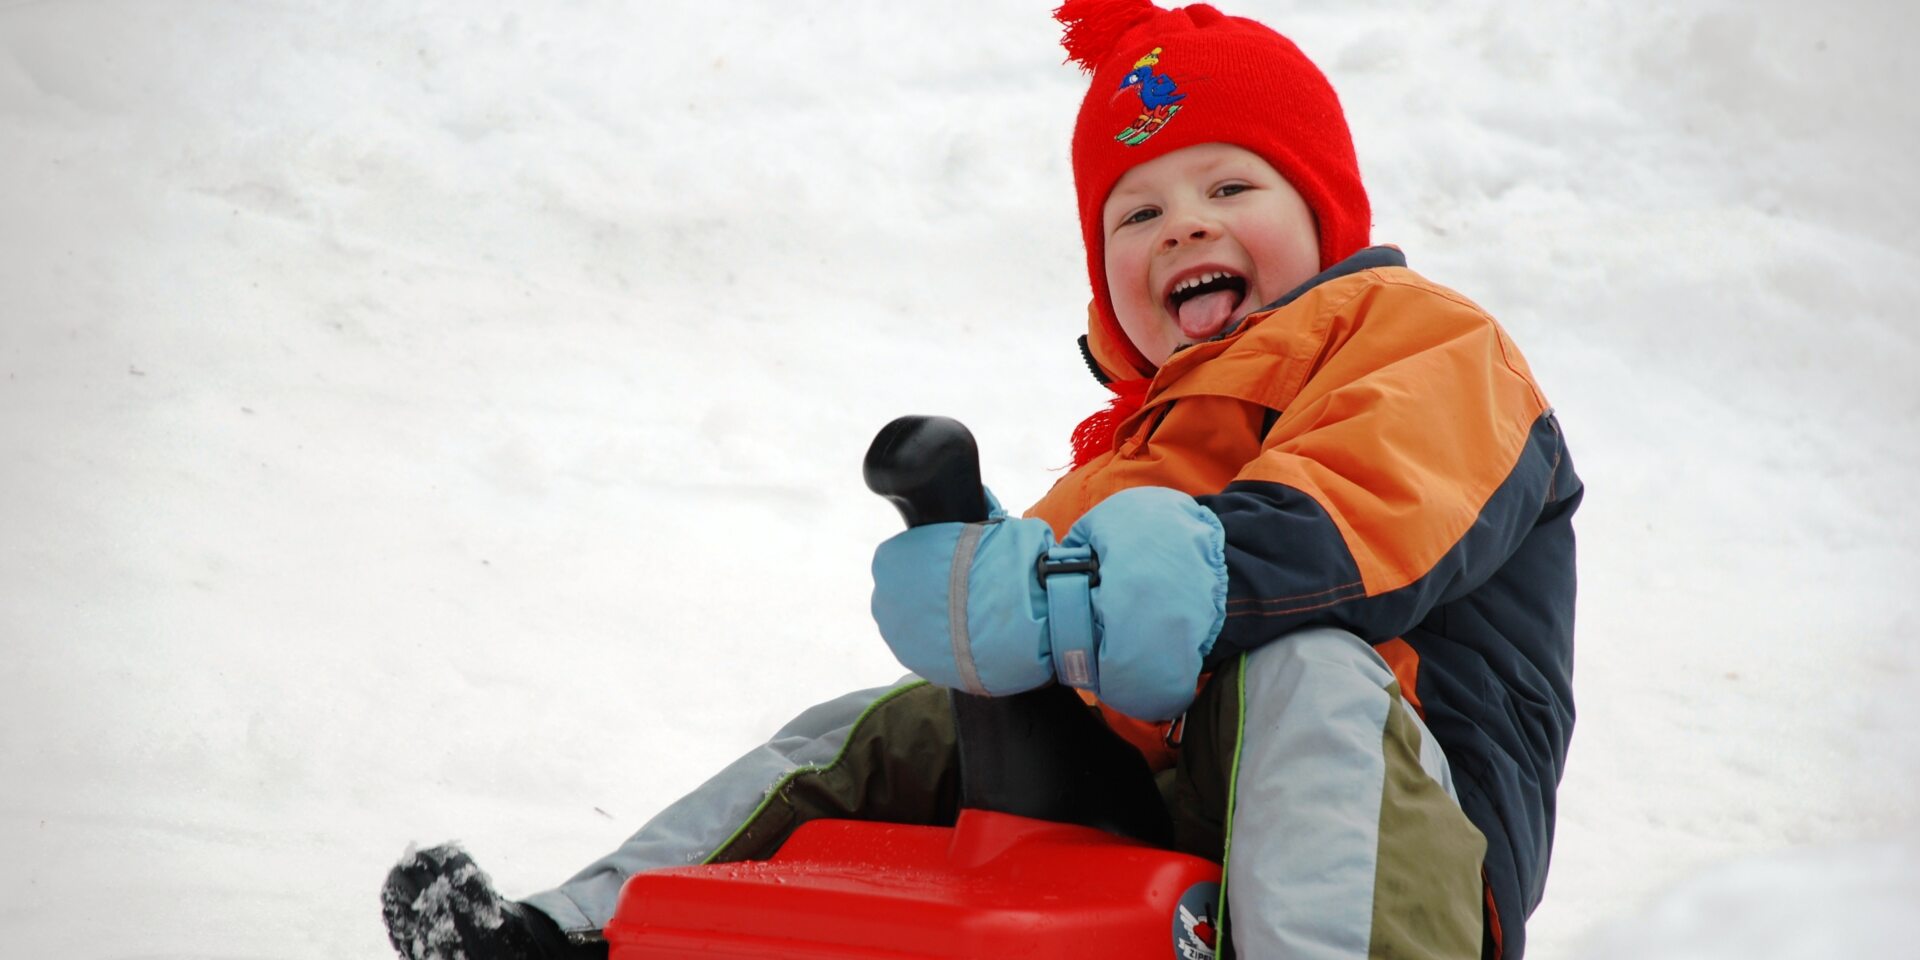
(1127, 275)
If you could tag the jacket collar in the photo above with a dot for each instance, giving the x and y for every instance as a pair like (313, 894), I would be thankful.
(1371, 258)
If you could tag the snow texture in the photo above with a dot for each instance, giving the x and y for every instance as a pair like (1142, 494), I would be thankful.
(431, 418)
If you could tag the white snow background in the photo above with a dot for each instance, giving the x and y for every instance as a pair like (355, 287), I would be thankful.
(442, 420)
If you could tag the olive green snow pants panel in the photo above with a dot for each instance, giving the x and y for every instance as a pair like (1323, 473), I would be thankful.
(900, 765)
(1332, 805)
(882, 754)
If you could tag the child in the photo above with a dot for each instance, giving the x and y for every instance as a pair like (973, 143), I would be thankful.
(1328, 494)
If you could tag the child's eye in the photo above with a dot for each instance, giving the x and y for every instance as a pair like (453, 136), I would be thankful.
(1229, 189)
(1141, 215)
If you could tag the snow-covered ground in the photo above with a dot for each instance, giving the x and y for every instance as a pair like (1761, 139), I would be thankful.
(441, 419)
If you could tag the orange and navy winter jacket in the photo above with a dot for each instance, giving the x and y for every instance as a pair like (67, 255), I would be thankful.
(1383, 462)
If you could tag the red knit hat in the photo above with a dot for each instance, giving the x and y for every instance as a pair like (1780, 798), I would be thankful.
(1167, 79)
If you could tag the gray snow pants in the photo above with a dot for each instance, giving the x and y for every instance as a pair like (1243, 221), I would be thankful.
(1303, 769)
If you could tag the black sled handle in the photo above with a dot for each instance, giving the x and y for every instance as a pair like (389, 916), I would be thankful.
(929, 469)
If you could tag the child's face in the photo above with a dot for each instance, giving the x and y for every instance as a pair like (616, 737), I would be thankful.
(1212, 213)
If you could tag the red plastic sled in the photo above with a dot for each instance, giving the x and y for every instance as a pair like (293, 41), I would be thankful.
(993, 885)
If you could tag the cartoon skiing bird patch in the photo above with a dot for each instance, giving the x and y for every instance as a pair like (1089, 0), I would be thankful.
(1193, 930)
(1159, 99)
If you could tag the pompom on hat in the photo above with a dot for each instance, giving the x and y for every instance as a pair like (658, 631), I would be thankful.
(1168, 79)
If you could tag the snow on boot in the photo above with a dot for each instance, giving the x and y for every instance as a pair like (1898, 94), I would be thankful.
(439, 905)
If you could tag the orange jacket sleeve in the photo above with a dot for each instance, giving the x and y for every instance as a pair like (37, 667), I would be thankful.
(1406, 470)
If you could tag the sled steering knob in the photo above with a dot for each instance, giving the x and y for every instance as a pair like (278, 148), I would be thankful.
(929, 469)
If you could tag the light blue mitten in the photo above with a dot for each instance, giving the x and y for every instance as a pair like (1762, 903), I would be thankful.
(1159, 604)
(1126, 607)
(961, 605)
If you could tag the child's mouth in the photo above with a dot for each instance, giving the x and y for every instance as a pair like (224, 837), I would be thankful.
(1202, 305)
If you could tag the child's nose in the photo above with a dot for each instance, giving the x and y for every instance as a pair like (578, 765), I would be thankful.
(1186, 228)
(1191, 234)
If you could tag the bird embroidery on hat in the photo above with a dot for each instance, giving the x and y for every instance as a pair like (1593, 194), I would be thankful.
(1159, 101)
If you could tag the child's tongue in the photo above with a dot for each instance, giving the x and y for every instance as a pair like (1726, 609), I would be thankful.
(1204, 316)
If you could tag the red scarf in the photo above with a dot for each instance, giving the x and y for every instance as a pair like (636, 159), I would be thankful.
(1095, 435)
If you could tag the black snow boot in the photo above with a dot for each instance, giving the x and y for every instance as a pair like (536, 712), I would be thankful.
(440, 906)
